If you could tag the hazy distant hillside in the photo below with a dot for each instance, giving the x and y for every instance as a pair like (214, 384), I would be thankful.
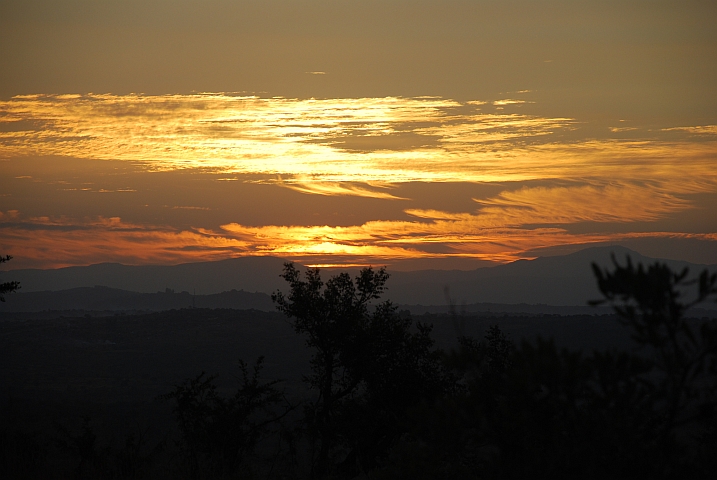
(255, 274)
(558, 280)
(105, 298)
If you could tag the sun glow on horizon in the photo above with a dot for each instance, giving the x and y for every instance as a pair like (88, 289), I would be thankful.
(362, 148)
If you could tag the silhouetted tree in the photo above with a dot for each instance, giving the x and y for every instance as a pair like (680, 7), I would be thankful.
(681, 352)
(535, 410)
(219, 434)
(368, 366)
(7, 287)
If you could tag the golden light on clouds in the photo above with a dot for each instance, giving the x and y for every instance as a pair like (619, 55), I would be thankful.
(62, 242)
(500, 221)
(387, 140)
(365, 148)
(696, 130)
(587, 203)
(334, 188)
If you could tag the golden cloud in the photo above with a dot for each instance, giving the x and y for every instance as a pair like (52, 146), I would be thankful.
(695, 130)
(57, 242)
(509, 101)
(360, 147)
(300, 139)
(332, 188)
(617, 202)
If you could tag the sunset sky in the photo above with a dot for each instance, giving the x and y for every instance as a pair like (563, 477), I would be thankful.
(414, 134)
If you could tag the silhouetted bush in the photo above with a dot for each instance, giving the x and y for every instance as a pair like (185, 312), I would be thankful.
(537, 410)
(219, 434)
(89, 457)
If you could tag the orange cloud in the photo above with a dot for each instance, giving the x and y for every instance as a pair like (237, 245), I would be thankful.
(587, 203)
(57, 242)
(332, 188)
(311, 146)
(509, 101)
(695, 130)
(303, 139)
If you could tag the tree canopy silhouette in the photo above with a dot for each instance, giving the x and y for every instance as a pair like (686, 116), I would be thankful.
(220, 434)
(369, 366)
(537, 410)
(680, 352)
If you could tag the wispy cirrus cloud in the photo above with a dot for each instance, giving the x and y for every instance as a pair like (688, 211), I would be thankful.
(509, 101)
(695, 130)
(333, 188)
(53, 242)
(503, 229)
(318, 139)
(615, 202)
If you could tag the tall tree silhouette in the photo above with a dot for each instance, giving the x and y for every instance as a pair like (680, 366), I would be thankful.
(368, 367)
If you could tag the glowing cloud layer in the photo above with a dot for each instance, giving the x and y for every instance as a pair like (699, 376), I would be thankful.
(336, 140)
(62, 242)
(364, 147)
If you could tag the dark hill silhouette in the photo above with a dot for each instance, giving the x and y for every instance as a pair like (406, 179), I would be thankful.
(247, 273)
(112, 299)
(559, 280)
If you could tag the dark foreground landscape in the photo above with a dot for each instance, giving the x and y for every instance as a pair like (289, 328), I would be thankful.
(378, 394)
(112, 371)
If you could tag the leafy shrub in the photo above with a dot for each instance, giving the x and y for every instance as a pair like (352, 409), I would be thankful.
(220, 434)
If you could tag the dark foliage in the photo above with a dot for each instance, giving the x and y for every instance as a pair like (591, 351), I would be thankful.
(219, 434)
(22, 454)
(387, 404)
(369, 366)
(89, 457)
(537, 410)
(7, 287)
(679, 354)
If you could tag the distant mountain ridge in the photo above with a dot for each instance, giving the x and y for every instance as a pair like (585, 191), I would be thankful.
(256, 274)
(565, 280)
(112, 299)
(558, 280)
